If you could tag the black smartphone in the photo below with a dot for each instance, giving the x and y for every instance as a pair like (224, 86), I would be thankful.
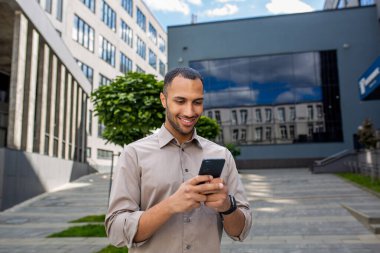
(212, 167)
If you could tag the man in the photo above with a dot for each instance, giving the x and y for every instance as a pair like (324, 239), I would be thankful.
(158, 202)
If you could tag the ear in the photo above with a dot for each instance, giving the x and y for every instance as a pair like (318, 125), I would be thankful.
(163, 100)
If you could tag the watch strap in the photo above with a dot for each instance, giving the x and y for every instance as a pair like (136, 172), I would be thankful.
(233, 206)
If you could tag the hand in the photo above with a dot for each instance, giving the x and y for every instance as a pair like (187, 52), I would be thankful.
(191, 193)
(218, 199)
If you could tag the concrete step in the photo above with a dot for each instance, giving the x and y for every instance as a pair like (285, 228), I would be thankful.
(370, 219)
(375, 228)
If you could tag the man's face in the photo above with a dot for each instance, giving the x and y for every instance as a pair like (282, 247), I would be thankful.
(184, 105)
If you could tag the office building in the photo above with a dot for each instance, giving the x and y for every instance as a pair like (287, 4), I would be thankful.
(108, 38)
(53, 54)
(285, 88)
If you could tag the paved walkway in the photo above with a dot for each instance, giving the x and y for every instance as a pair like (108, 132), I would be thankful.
(294, 211)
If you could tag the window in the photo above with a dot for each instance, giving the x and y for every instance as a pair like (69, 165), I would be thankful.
(292, 113)
(235, 134)
(83, 33)
(310, 112)
(103, 80)
(310, 128)
(88, 152)
(141, 48)
(153, 33)
(319, 111)
(161, 44)
(152, 59)
(125, 63)
(268, 115)
(209, 114)
(90, 4)
(291, 132)
(141, 20)
(366, 2)
(89, 130)
(87, 71)
(48, 6)
(258, 134)
(234, 120)
(258, 115)
(139, 70)
(162, 68)
(128, 6)
(217, 117)
(283, 132)
(59, 9)
(281, 114)
(268, 133)
(126, 33)
(104, 154)
(243, 135)
(243, 116)
(101, 128)
(107, 51)
(108, 16)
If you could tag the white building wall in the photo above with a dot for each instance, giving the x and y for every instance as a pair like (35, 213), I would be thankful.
(99, 66)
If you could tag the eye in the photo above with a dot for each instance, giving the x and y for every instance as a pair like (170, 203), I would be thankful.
(198, 102)
(180, 101)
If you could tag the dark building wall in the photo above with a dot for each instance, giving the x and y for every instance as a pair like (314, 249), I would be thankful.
(353, 33)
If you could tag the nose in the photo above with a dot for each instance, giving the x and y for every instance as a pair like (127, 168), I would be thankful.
(189, 110)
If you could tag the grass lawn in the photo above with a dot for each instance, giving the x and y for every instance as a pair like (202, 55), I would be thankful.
(362, 180)
(89, 230)
(113, 249)
(90, 218)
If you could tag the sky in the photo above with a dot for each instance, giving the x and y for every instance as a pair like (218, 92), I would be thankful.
(179, 12)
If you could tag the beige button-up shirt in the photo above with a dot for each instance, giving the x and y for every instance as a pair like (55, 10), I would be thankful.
(152, 169)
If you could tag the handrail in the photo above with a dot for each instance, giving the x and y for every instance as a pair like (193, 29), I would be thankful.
(332, 157)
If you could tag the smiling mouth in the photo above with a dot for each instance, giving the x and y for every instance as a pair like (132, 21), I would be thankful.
(187, 121)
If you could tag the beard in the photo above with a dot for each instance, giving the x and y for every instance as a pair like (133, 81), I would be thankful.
(176, 125)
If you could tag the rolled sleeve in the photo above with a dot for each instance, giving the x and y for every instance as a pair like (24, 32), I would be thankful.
(124, 209)
(236, 188)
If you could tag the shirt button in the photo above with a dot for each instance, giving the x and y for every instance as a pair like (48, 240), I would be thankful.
(183, 150)
(186, 170)
(187, 220)
(188, 246)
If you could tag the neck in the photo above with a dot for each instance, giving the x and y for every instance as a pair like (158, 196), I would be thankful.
(179, 137)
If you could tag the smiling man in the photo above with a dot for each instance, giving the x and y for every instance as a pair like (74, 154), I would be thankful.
(158, 202)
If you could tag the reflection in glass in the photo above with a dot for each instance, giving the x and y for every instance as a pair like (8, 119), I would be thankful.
(286, 96)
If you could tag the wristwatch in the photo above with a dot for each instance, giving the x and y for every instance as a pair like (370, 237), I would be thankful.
(232, 207)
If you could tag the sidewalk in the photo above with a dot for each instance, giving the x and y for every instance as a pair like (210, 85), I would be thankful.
(294, 211)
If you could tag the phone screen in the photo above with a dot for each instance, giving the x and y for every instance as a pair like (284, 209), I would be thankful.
(212, 167)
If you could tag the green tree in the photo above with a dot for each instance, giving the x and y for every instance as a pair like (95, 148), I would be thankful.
(366, 134)
(207, 128)
(129, 108)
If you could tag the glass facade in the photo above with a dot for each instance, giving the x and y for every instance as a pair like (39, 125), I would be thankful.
(107, 51)
(141, 19)
(126, 33)
(153, 33)
(125, 63)
(128, 6)
(276, 99)
(108, 16)
(141, 48)
(83, 33)
(152, 59)
(90, 4)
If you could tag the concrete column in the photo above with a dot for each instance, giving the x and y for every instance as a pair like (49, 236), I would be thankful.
(30, 92)
(78, 141)
(74, 118)
(62, 100)
(42, 98)
(16, 95)
(84, 127)
(52, 95)
(68, 113)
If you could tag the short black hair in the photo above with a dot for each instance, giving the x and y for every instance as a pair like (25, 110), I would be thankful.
(185, 72)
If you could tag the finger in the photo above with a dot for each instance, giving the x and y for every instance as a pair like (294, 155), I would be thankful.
(209, 187)
(217, 180)
(200, 179)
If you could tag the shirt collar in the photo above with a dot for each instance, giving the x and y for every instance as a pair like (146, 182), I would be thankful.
(165, 137)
